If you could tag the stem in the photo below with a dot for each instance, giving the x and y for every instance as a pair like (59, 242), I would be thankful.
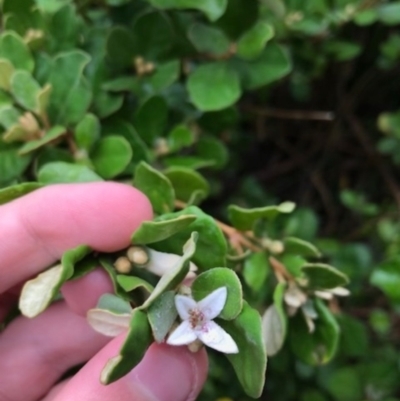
(236, 238)
(280, 271)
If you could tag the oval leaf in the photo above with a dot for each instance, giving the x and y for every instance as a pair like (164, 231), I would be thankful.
(162, 315)
(251, 361)
(111, 155)
(324, 277)
(135, 345)
(213, 87)
(156, 186)
(244, 219)
(61, 172)
(218, 277)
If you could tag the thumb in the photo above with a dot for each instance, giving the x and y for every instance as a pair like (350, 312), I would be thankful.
(165, 374)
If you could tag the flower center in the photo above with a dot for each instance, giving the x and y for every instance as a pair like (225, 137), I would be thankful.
(196, 319)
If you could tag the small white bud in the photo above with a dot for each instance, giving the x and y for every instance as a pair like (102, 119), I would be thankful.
(276, 247)
(138, 255)
(123, 265)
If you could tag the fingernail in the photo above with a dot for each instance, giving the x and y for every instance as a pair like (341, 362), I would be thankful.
(167, 374)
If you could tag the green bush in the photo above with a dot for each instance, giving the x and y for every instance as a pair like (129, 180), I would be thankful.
(227, 113)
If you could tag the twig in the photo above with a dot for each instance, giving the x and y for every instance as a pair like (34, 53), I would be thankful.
(360, 134)
(291, 114)
(236, 238)
(280, 270)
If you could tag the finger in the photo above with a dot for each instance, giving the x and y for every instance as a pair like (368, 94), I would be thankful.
(83, 294)
(39, 227)
(52, 394)
(36, 353)
(165, 374)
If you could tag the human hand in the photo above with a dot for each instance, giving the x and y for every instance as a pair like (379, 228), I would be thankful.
(35, 230)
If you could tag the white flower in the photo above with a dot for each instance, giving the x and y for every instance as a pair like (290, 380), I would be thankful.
(197, 322)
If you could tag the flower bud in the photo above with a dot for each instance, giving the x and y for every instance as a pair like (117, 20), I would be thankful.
(138, 255)
(123, 265)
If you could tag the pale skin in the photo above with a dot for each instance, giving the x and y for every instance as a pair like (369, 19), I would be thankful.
(35, 353)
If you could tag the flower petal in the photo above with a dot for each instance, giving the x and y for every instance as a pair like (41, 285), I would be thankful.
(213, 303)
(184, 305)
(216, 337)
(182, 335)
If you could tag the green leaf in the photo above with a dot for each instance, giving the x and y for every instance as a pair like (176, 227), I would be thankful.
(131, 283)
(240, 16)
(62, 172)
(163, 77)
(111, 155)
(186, 182)
(9, 116)
(13, 49)
(16, 133)
(215, 278)
(387, 278)
(71, 95)
(135, 345)
(162, 315)
(293, 264)
(244, 219)
(52, 134)
(345, 384)
(51, 6)
(108, 323)
(64, 28)
(323, 277)
(6, 72)
(366, 17)
(140, 149)
(174, 275)
(354, 339)
(180, 137)
(389, 123)
(42, 100)
(159, 230)
(116, 3)
(11, 164)
(389, 13)
(300, 247)
(113, 304)
(211, 246)
(252, 43)
(38, 293)
(320, 346)
(343, 50)
(105, 104)
(256, 269)
(120, 47)
(191, 162)
(213, 9)
(156, 186)
(274, 322)
(156, 28)
(87, 132)
(71, 257)
(209, 40)
(15, 191)
(251, 361)
(5, 99)
(213, 150)
(272, 65)
(213, 86)
(151, 118)
(21, 10)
